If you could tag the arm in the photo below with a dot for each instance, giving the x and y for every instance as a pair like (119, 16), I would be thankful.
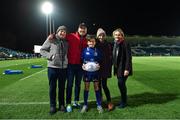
(128, 63)
(45, 50)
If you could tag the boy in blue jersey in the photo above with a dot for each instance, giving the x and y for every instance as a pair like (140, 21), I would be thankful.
(91, 58)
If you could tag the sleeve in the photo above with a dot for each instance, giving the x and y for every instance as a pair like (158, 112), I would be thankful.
(45, 50)
(128, 57)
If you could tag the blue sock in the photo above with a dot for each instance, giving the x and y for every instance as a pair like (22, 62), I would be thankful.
(98, 98)
(86, 94)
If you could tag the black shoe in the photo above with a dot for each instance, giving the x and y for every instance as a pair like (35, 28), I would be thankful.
(52, 110)
(62, 108)
(122, 105)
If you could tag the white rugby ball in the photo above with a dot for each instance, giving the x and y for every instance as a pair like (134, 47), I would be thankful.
(91, 67)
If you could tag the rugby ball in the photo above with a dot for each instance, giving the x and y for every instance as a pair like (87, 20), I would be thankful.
(91, 67)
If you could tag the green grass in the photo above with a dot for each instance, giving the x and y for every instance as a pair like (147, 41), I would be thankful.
(153, 92)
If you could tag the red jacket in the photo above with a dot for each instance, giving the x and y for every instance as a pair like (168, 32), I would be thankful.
(76, 45)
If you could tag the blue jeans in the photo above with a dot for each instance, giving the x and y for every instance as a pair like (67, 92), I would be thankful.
(123, 88)
(54, 75)
(74, 72)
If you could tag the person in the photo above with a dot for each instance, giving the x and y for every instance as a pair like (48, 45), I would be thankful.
(106, 65)
(91, 58)
(122, 61)
(55, 50)
(77, 42)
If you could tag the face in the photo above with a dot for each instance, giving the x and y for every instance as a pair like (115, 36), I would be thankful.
(91, 43)
(118, 36)
(101, 37)
(82, 31)
(62, 34)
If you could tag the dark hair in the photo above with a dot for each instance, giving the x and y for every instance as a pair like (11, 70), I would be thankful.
(90, 37)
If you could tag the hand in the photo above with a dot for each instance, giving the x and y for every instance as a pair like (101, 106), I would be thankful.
(51, 36)
(98, 66)
(126, 73)
(83, 66)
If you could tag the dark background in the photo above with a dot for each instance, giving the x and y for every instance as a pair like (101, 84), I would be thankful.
(23, 24)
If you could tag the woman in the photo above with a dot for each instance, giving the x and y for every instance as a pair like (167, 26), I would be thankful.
(122, 61)
(106, 65)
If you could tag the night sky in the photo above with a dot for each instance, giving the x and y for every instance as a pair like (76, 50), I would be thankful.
(23, 23)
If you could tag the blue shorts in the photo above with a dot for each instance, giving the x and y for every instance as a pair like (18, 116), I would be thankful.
(91, 77)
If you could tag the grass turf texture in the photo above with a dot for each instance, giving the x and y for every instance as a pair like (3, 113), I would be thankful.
(153, 92)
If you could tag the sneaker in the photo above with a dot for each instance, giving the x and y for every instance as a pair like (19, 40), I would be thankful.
(84, 109)
(110, 106)
(62, 108)
(76, 104)
(100, 109)
(69, 108)
(52, 110)
(122, 105)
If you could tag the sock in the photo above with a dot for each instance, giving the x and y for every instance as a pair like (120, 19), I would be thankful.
(98, 98)
(86, 94)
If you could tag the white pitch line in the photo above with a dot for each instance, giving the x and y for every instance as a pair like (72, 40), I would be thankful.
(31, 103)
(32, 75)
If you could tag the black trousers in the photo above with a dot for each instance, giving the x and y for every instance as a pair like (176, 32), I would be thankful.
(103, 84)
(123, 88)
(56, 75)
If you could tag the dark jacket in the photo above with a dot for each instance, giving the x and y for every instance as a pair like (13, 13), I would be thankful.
(106, 62)
(124, 59)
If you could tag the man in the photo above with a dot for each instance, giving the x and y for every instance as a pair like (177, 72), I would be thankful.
(77, 42)
(55, 49)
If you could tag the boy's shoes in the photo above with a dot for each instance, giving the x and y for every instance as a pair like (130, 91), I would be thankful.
(84, 109)
(76, 104)
(62, 108)
(69, 108)
(110, 106)
(52, 110)
(122, 105)
(100, 109)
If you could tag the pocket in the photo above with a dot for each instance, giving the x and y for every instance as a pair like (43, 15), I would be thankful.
(57, 60)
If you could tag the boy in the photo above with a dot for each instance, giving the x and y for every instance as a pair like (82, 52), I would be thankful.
(91, 58)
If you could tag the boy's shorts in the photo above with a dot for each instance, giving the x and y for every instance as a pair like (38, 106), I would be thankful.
(91, 77)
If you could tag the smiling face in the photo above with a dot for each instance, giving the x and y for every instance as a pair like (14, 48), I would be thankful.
(101, 37)
(62, 34)
(91, 42)
(82, 31)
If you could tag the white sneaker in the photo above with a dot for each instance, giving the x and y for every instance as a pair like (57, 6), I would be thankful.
(100, 109)
(84, 109)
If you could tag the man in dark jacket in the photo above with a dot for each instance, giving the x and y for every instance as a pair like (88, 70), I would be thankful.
(122, 61)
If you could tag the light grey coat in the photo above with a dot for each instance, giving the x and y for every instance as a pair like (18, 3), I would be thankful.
(56, 52)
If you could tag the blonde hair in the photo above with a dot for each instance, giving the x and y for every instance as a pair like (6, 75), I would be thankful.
(118, 30)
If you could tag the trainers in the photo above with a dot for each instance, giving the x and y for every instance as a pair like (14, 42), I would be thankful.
(100, 109)
(69, 108)
(76, 104)
(122, 105)
(84, 109)
(52, 110)
(110, 106)
(62, 108)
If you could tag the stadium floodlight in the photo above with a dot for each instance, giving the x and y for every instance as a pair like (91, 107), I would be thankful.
(47, 8)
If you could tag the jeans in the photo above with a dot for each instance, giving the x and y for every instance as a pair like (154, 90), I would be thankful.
(54, 75)
(123, 88)
(103, 84)
(74, 72)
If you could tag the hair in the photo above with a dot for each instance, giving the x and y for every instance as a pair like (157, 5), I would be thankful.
(89, 37)
(118, 30)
